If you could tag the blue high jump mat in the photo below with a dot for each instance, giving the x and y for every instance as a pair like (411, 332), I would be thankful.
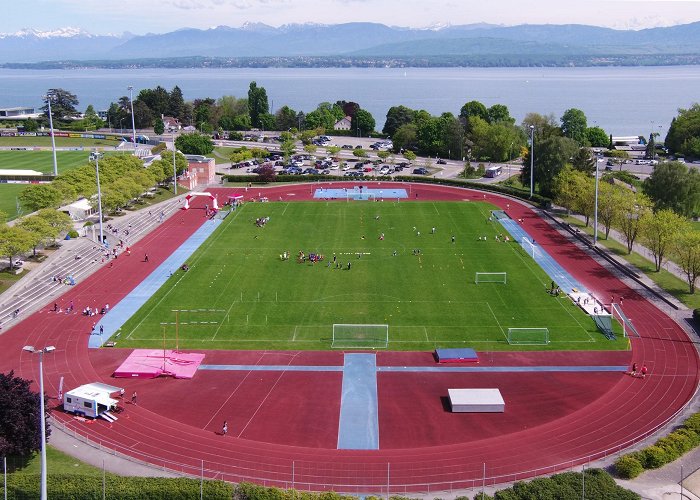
(461, 355)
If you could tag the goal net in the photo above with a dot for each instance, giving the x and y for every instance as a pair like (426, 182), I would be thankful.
(528, 336)
(490, 278)
(528, 246)
(627, 326)
(354, 336)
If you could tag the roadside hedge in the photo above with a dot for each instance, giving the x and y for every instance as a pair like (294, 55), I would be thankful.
(599, 484)
(78, 487)
(664, 451)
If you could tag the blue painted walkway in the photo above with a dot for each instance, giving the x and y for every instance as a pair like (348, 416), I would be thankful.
(358, 427)
(557, 273)
(128, 306)
(359, 194)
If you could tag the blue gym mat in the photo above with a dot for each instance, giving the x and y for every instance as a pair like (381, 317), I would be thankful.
(359, 194)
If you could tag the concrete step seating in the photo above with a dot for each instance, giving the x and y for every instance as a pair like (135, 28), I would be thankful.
(33, 291)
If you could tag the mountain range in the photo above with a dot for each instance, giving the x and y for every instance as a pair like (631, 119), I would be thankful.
(354, 40)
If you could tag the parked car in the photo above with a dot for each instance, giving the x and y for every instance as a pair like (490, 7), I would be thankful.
(441, 162)
(420, 171)
(346, 146)
(384, 171)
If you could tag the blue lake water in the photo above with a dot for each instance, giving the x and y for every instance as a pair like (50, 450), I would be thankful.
(622, 100)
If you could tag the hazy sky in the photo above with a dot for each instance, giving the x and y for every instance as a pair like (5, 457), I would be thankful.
(144, 16)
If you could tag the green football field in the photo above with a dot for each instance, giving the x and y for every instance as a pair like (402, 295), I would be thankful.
(240, 294)
(42, 161)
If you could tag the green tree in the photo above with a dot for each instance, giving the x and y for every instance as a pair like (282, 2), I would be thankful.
(59, 221)
(633, 208)
(584, 161)
(38, 196)
(405, 138)
(574, 125)
(31, 125)
(683, 136)
(659, 230)
(650, 151)
(396, 117)
(286, 118)
(472, 109)
(409, 155)
(551, 155)
(176, 104)
(20, 414)
(257, 104)
(597, 137)
(685, 252)
(63, 104)
(157, 100)
(609, 205)
(673, 185)
(143, 116)
(310, 148)
(359, 153)
(14, 241)
(363, 122)
(194, 144)
(40, 230)
(332, 151)
(288, 147)
(498, 113)
(158, 126)
(545, 126)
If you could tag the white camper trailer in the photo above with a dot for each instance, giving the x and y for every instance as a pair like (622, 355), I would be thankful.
(93, 400)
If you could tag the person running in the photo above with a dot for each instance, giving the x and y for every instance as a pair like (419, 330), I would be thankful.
(224, 429)
(145, 258)
(133, 398)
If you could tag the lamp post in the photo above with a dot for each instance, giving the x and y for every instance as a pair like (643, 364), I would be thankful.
(133, 121)
(532, 158)
(595, 209)
(174, 167)
(40, 352)
(50, 97)
(99, 194)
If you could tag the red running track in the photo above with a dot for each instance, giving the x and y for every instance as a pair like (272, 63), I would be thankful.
(283, 426)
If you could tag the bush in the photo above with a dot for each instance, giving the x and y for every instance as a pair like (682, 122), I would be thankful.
(479, 496)
(693, 422)
(654, 457)
(628, 467)
(158, 148)
(696, 318)
(73, 233)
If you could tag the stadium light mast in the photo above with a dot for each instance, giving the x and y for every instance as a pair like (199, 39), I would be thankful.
(133, 121)
(174, 167)
(48, 98)
(40, 352)
(595, 210)
(532, 159)
(99, 194)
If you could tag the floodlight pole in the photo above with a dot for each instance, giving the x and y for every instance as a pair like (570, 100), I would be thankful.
(42, 417)
(532, 158)
(133, 121)
(49, 98)
(595, 210)
(99, 194)
(174, 167)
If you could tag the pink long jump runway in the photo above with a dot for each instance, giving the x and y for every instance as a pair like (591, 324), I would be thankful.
(283, 425)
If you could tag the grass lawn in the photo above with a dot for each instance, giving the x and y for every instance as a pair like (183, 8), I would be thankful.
(7, 279)
(57, 463)
(255, 300)
(8, 199)
(42, 161)
(669, 282)
(61, 142)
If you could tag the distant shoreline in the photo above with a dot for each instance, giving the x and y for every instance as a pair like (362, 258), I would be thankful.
(475, 61)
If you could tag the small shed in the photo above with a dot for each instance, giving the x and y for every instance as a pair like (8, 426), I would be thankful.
(93, 400)
(79, 210)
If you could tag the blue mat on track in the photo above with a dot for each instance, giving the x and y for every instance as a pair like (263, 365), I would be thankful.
(359, 194)
(117, 316)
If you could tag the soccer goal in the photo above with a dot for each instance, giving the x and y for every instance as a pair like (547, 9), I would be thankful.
(490, 278)
(528, 246)
(354, 336)
(528, 336)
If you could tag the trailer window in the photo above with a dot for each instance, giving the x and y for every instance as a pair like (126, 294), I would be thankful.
(87, 404)
(69, 400)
